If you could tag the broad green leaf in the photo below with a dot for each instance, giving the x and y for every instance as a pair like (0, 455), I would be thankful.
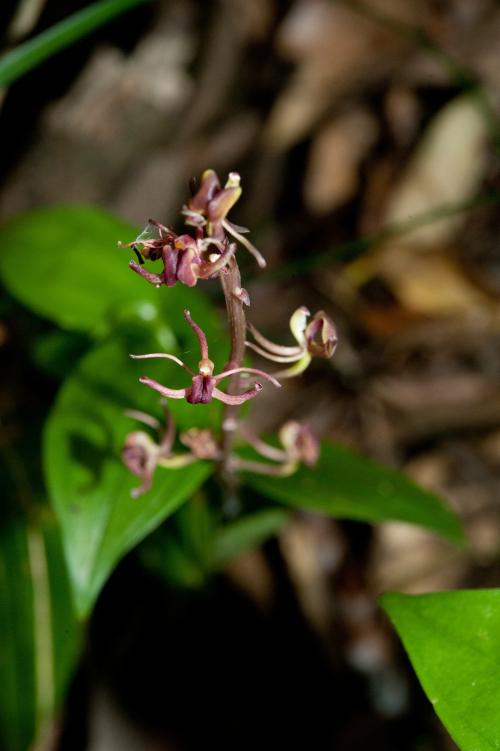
(31, 53)
(453, 641)
(56, 351)
(88, 485)
(63, 262)
(38, 631)
(348, 486)
(181, 550)
(249, 531)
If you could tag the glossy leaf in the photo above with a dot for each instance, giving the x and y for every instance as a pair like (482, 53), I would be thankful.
(38, 631)
(249, 531)
(346, 485)
(452, 639)
(89, 487)
(63, 262)
(31, 53)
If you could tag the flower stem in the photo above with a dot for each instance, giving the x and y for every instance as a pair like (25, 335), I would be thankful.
(231, 281)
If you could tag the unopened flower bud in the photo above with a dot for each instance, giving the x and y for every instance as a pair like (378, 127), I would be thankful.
(321, 336)
(242, 295)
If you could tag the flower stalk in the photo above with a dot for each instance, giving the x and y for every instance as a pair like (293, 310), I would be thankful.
(211, 252)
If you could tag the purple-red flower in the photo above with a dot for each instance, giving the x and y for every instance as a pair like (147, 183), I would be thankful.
(185, 259)
(204, 383)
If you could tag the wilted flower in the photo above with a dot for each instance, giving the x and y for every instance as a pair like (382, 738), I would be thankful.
(141, 454)
(210, 205)
(300, 442)
(318, 338)
(299, 446)
(185, 259)
(203, 386)
(202, 443)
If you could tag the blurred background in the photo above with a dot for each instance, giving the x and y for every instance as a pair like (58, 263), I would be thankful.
(367, 135)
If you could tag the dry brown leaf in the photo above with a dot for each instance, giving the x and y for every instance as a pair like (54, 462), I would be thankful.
(337, 150)
(431, 284)
(337, 51)
(447, 168)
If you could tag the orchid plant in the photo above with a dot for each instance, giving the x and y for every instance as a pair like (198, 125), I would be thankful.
(86, 428)
(211, 253)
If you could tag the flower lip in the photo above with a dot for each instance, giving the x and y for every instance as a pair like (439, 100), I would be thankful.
(321, 336)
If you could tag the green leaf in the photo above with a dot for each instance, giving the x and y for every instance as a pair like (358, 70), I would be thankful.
(249, 531)
(63, 262)
(38, 630)
(452, 639)
(89, 487)
(181, 550)
(348, 486)
(28, 55)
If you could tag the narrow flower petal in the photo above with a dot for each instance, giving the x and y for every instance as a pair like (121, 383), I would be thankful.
(260, 468)
(296, 369)
(275, 358)
(163, 390)
(155, 279)
(202, 339)
(261, 373)
(165, 356)
(275, 349)
(263, 448)
(168, 437)
(136, 414)
(246, 243)
(236, 399)
(238, 228)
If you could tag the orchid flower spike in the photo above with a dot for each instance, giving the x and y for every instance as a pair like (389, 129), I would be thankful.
(209, 206)
(142, 455)
(185, 259)
(318, 338)
(204, 383)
